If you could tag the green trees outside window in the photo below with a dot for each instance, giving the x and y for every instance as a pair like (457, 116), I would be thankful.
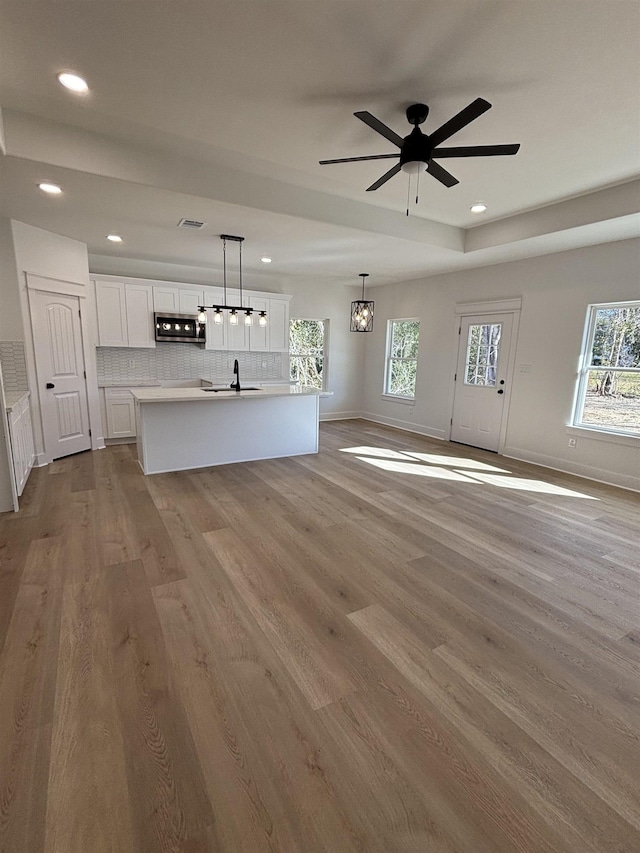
(609, 384)
(402, 358)
(306, 352)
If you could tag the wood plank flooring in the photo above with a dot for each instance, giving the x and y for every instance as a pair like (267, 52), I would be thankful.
(394, 646)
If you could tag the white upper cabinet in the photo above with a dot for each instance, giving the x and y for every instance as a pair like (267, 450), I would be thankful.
(125, 310)
(139, 305)
(112, 314)
(176, 300)
(125, 314)
(190, 300)
(225, 335)
(259, 335)
(165, 300)
(278, 322)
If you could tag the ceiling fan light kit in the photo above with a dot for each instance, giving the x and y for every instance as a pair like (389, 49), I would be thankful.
(419, 151)
(234, 310)
(362, 311)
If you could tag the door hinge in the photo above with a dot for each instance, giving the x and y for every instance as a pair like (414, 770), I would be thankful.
(84, 373)
(451, 422)
(459, 329)
(455, 377)
(89, 433)
(79, 314)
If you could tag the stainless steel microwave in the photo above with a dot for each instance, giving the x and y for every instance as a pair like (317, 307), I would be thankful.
(183, 328)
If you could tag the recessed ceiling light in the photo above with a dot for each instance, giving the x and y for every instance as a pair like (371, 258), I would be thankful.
(478, 208)
(73, 82)
(266, 260)
(52, 189)
(115, 238)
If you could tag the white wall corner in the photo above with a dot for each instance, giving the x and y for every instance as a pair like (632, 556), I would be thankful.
(589, 472)
(407, 426)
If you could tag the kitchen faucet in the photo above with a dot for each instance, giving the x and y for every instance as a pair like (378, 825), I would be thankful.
(236, 373)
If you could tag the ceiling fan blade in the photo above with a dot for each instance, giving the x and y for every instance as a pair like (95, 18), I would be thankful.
(393, 171)
(375, 124)
(476, 151)
(355, 159)
(441, 174)
(460, 120)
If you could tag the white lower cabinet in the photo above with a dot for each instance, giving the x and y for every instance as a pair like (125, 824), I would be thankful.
(120, 413)
(21, 437)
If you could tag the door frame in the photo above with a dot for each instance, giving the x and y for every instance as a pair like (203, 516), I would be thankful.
(472, 309)
(89, 341)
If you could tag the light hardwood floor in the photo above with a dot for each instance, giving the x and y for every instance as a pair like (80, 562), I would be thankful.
(360, 650)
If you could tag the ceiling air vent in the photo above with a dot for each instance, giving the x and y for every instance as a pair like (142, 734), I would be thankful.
(191, 223)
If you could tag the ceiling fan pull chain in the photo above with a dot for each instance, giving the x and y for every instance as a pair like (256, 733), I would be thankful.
(408, 193)
(417, 187)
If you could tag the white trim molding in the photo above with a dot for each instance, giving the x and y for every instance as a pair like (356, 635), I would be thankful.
(498, 306)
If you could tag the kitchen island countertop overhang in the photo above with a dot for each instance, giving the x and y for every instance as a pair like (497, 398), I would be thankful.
(184, 428)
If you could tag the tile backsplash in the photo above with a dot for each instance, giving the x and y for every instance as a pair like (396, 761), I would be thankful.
(185, 361)
(14, 366)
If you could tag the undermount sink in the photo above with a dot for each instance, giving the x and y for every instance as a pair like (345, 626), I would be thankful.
(229, 390)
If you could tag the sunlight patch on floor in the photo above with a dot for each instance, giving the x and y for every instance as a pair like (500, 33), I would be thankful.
(455, 461)
(524, 485)
(407, 467)
(382, 452)
(432, 465)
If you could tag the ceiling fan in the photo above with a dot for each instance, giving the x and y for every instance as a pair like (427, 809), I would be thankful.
(419, 151)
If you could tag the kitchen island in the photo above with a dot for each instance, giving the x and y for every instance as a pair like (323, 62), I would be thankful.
(183, 428)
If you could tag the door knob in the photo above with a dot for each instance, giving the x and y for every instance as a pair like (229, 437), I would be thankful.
(501, 391)
(50, 385)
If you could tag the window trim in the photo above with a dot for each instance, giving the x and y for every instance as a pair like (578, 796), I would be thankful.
(325, 348)
(585, 366)
(388, 359)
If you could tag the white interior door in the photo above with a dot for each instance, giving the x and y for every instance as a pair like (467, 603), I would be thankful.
(481, 379)
(60, 369)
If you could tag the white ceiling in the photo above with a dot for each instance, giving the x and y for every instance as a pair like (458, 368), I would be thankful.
(221, 111)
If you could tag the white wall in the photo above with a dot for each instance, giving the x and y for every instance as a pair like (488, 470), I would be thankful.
(10, 313)
(555, 291)
(346, 350)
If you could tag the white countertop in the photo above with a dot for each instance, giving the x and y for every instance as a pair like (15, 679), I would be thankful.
(183, 395)
(12, 398)
(128, 383)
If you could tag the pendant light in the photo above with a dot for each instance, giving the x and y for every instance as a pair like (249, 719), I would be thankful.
(362, 311)
(234, 310)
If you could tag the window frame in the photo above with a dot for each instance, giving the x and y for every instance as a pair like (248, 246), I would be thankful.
(389, 359)
(585, 367)
(325, 348)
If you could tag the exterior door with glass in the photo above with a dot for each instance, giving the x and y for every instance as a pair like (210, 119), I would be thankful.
(481, 380)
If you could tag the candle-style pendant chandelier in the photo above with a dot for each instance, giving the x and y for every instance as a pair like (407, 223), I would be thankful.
(235, 311)
(362, 311)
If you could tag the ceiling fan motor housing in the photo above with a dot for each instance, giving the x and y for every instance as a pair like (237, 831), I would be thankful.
(416, 147)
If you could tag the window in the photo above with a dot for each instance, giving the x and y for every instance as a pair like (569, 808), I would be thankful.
(608, 396)
(483, 346)
(402, 358)
(307, 360)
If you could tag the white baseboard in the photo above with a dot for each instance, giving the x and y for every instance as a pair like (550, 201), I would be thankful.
(339, 416)
(589, 472)
(430, 432)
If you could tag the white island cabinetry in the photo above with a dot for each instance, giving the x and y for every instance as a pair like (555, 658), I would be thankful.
(183, 428)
